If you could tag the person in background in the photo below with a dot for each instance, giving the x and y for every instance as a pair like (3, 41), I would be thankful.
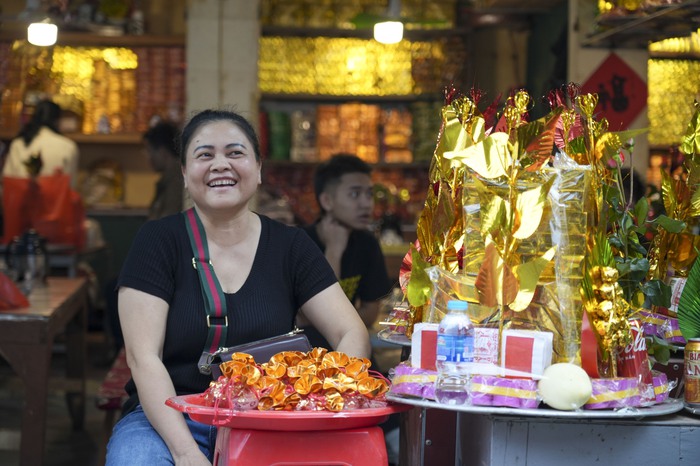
(268, 272)
(344, 193)
(40, 137)
(160, 142)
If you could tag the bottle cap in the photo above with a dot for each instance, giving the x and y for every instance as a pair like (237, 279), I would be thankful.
(457, 305)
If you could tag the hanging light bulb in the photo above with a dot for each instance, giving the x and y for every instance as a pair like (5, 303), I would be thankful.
(390, 31)
(43, 33)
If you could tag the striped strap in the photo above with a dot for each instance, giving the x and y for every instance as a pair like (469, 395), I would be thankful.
(214, 299)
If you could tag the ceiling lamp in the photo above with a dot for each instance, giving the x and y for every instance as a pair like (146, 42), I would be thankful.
(43, 33)
(388, 32)
(391, 30)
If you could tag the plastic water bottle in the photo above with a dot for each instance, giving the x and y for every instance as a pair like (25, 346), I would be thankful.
(455, 353)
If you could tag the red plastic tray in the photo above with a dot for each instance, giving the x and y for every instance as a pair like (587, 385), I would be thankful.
(281, 420)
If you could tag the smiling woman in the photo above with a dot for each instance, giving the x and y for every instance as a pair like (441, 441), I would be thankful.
(267, 272)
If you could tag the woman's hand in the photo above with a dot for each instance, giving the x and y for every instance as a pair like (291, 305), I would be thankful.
(193, 457)
(335, 317)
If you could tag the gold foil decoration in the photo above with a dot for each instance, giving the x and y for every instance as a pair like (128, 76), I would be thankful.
(293, 380)
(372, 387)
(513, 206)
(677, 250)
(334, 401)
(308, 383)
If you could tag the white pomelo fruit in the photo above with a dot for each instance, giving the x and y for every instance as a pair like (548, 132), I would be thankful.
(565, 386)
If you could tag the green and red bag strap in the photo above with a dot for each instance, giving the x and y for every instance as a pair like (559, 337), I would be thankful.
(214, 298)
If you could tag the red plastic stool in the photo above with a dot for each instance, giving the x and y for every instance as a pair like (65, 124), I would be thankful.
(246, 447)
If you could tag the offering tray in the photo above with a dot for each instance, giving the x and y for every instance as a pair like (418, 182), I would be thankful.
(194, 406)
(692, 409)
(669, 406)
(387, 335)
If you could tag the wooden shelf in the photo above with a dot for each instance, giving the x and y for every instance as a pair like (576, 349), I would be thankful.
(693, 56)
(86, 39)
(419, 164)
(316, 98)
(127, 138)
(638, 29)
(117, 138)
(409, 34)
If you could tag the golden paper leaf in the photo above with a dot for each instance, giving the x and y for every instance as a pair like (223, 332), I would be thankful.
(495, 282)
(693, 172)
(494, 210)
(691, 140)
(454, 136)
(538, 139)
(609, 144)
(528, 275)
(694, 210)
(668, 194)
(485, 281)
(489, 158)
(530, 204)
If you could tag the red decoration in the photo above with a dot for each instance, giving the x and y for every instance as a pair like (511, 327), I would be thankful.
(622, 94)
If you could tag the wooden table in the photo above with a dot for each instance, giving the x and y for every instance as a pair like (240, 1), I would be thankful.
(26, 342)
(66, 257)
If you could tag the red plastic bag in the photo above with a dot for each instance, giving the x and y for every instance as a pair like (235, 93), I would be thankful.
(46, 204)
(10, 296)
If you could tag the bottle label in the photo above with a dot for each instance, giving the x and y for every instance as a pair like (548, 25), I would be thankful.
(455, 348)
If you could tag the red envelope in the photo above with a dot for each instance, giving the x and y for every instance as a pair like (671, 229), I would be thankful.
(526, 351)
(424, 346)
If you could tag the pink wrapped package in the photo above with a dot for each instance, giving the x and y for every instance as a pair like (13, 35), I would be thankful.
(662, 326)
(413, 381)
(488, 390)
(661, 386)
(614, 393)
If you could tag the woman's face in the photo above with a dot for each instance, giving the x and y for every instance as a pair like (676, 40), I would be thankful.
(220, 168)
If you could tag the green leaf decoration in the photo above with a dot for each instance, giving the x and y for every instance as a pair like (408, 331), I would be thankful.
(669, 224)
(641, 211)
(658, 292)
(659, 349)
(689, 305)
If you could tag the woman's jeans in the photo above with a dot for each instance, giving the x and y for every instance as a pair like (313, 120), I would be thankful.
(135, 442)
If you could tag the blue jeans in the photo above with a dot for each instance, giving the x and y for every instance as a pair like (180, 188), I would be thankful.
(135, 442)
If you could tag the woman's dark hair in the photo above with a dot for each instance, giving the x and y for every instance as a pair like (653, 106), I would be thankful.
(163, 134)
(46, 113)
(209, 116)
